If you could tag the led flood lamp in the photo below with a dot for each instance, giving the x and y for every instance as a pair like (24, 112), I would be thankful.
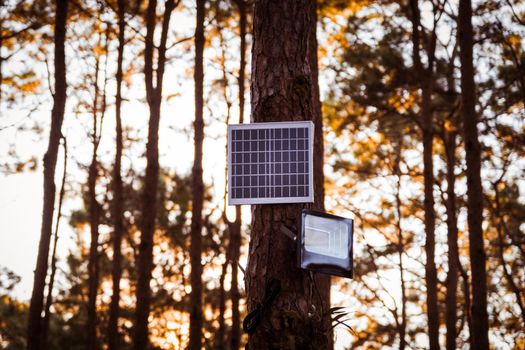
(325, 243)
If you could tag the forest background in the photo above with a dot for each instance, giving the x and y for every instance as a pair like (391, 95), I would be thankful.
(390, 76)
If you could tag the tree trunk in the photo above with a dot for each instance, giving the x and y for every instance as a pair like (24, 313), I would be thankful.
(118, 197)
(151, 179)
(34, 329)
(94, 218)
(402, 325)
(149, 209)
(453, 251)
(235, 232)
(93, 270)
(49, 298)
(221, 333)
(430, 222)
(235, 245)
(426, 76)
(480, 324)
(513, 286)
(284, 87)
(466, 295)
(196, 315)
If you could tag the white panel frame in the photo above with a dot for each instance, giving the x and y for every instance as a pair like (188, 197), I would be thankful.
(274, 125)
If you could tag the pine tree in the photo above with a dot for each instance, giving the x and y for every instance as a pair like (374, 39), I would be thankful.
(480, 324)
(118, 198)
(284, 88)
(34, 328)
(196, 313)
(154, 79)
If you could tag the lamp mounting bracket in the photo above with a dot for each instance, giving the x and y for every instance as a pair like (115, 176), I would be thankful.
(289, 232)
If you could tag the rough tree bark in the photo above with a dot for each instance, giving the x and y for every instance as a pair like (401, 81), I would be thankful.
(118, 197)
(284, 87)
(480, 324)
(151, 179)
(425, 74)
(34, 329)
(196, 316)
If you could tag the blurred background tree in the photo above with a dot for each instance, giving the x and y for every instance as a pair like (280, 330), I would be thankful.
(119, 241)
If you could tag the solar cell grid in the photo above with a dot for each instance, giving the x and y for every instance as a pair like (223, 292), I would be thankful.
(270, 163)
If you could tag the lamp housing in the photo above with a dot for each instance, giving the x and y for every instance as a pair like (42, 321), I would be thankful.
(325, 243)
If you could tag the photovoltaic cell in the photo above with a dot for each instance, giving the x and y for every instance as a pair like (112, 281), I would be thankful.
(270, 163)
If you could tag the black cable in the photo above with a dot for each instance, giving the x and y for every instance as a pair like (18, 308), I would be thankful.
(251, 321)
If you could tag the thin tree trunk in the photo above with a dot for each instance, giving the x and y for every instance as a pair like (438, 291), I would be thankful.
(426, 76)
(220, 337)
(196, 315)
(284, 88)
(35, 329)
(94, 218)
(49, 298)
(466, 295)
(235, 245)
(400, 250)
(235, 232)
(430, 221)
(453, 251)
(151, 179)
(234, 228)
(480, 324)
(242, 62)
(118, 197)
(501, 254)
(430, 216)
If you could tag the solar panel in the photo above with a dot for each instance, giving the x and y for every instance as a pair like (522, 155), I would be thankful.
(270, 163)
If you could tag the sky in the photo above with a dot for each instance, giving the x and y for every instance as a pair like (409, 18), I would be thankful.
(20, 208)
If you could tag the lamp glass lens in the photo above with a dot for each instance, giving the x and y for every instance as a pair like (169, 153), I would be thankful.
(326, 237)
